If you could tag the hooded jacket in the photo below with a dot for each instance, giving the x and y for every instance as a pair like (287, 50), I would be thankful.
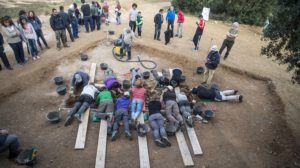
(180, 17)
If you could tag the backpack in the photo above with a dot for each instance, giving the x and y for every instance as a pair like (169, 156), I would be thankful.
(213, 58)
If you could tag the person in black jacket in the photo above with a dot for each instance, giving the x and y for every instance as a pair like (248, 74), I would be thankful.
(86, 11)
(37, 25)
(158, 20)
(58, 25)
(212, 62)
(73, 19)
(3, 55)
(67, 21)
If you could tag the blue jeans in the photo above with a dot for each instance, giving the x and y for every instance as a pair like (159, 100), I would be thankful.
(136, 108)
(157, 31)
(32, 47)
(40, 34)
(10, 143)
(18, 51)
(74, 24)
(88, 22)
(119, 114)
(157, 125)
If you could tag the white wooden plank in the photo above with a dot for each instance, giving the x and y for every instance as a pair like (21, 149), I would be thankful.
(184, 150)
(143, 147)
(101, 149)
(194, 141)
(82, 128)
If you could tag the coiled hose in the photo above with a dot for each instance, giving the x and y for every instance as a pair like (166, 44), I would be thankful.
(139, 60)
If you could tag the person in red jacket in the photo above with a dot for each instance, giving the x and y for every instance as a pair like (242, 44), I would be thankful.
(199, 32)
(180, 21)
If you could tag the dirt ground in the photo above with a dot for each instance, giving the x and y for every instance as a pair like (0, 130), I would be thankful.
(260, 132)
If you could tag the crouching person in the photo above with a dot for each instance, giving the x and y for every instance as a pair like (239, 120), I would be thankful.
(185, 108)
(82, 104)
(172, 109)
(122, 107)
(9, 142)
(157, 122)
(215, 94)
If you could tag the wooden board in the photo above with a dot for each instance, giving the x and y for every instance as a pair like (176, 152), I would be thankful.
(82, 128)
(143, 147)
(184, 150)
(194, 141)
(101, 149)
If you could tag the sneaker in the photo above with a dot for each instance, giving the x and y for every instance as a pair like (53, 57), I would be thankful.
(180, 36)
(189, 121)
(34, 58)
(68, 121)
(159, 143)
(10, 68)
(241, 99)
(166, 141)
(66, 46)
(58, 48)
(38, 57)
(235, 91)
(128, 135)
(114, 135)
(78, 117)
(158, 40)
(176, 35)
(195, 50)
(47, 47)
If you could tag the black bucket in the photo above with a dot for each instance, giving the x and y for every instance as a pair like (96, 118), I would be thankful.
(61, 90)
(83, 57)
(53, 117)
(182, 78)
(59, 80)
(126, 84)
(200, 70)
(208, 114)
(146, 75)
(103, 66)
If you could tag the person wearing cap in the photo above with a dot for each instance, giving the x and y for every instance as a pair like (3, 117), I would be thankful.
(214, 94)
(138, 99)
(86, 98)
(212, 62)
(230, 38)
(122, 108)
(157, 122)
(127, 37)
(105, 101)
(184, 107)
(79, 80)
(172, 109)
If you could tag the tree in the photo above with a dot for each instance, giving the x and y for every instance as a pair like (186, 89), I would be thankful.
(283, 36)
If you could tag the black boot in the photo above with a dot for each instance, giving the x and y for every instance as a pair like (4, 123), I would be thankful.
(121, 53)
(166, 141)
(0, 67)
(129, 55)
(114, 135)
(159, 143)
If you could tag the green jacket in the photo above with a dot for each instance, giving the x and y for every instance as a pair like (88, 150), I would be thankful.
(104, 96)
(139, 21)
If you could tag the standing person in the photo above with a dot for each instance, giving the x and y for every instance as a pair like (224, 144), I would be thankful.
(172, 109)
(30, 35)
(122, 108)
(86, 98)
(180, 21)
(67, 21)
(170, 19)
(118, 12)
(37, 25)
(199, 32)
(212, 62)
(3, 54)
(58, 26)
(78, 16)
(86, 11)
(127, 37)
(105, 9)
(158, 21)
(74, 21)
(139, 23)
(13, 39)
(157, 122)
(138, 99)
(230, 38)
(9, 142)
(133, 13)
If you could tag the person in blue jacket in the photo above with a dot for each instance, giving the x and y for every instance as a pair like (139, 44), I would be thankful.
(170, 18)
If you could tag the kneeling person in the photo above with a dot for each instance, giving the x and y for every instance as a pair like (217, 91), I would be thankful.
(122, 107)
(82, 104)
(79, 80)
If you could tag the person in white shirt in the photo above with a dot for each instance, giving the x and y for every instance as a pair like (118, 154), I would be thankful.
(133, 13)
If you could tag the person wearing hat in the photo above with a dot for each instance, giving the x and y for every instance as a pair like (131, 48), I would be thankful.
(157, 122)
(215, 94)
(138, 99)
(230, 38)
(212, 62)
(127, 37)
(122, 108)
(172, 109)
(86, 98)
(105, 101)
(79, 80)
